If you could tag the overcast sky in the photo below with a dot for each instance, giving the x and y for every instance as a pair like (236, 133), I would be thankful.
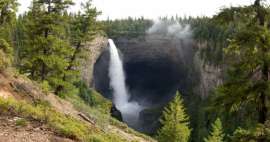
(116, 9)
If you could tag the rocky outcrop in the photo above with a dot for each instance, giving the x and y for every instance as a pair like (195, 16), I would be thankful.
(210, 75)
(94, 50)
(116, 113)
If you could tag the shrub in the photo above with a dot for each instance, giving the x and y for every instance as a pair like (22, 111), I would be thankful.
(21, 122)
(93, 98)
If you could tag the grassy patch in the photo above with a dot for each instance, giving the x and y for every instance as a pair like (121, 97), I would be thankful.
(125, 128)
(100, 115)
(21, 122)
(61, 124)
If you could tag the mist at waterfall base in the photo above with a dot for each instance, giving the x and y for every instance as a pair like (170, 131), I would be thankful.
(121, 97)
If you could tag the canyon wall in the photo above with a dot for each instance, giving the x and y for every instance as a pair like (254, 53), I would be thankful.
(93, 51)
(210, 75)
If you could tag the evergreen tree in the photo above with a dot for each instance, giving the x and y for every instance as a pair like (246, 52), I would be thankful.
(46, 54)
(247, 81)
(216, 134)
(246, 87)
(174, 122)
(8, 10)
(83, 29)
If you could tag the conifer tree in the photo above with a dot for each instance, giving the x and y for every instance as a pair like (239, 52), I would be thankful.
(247, 81)
(45, 55)
(216, 134)
(83, 29)
(174, 122)
(246, 88)
(8, 10)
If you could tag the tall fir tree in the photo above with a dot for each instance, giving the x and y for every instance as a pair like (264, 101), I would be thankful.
(46, 54)
(83, 28)
(248, 61)
(8, 10)
(216, 134)
(175, 122)
(246, 88)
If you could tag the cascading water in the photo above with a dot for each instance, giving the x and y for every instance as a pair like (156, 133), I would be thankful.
(121, 97)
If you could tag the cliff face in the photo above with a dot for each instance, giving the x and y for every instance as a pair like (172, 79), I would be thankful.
(93, 52)
(210, 75)
(154, 65)
(155, 68)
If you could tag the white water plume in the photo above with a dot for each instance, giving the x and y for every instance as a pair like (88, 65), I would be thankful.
(170, 29)
(121, 97)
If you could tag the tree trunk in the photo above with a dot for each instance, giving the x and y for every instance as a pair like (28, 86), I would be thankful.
(46, 34)
(77, 50)
(262, 108)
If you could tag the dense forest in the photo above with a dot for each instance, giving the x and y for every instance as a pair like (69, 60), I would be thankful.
(47, 45)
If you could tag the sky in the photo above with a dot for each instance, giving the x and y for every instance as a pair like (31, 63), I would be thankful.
(118, 9)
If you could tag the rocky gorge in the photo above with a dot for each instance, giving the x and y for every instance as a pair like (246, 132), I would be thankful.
(155, 66)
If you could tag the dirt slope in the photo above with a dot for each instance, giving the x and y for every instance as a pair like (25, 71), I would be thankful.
(32, 132)
(22, 88)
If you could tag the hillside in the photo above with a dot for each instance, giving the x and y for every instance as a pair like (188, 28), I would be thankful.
(29, 114)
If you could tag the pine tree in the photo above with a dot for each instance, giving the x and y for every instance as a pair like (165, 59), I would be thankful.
(246, 88)
(46, 54)
(247, 81)
(8, 10)
(216, 134)
(83, 29)
(174, 122)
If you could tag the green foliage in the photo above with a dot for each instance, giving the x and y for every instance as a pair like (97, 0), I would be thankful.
(50, 43)
(248, 63)
(45, 87)
(128, 28)
(83, 25)
(100, 114)
(258, 133)
(63, 125)
(242, 99)
(5, 54)
(106, 138)
(46, 49)
(174, 122)
(216, 134)
(93, 98)
(8, 10)
(21, 122)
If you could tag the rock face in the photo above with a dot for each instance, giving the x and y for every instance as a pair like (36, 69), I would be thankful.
(94, 50)
(155, 68)
(116, 113)
(210, 75)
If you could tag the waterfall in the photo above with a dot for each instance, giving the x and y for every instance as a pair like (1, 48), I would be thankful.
(121, 97)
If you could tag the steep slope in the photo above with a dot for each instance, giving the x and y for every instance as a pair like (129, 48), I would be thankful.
(29, 114)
